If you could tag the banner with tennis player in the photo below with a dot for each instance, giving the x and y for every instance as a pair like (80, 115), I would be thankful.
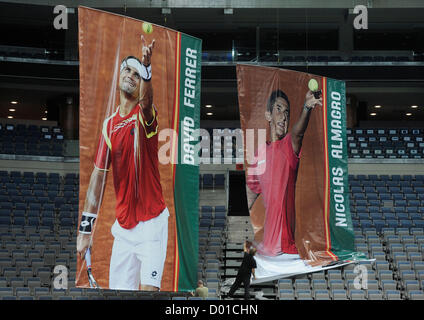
(296, 169)
(139, 107)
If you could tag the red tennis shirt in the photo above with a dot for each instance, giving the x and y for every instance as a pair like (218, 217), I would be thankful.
(130, 144)
(274, 176)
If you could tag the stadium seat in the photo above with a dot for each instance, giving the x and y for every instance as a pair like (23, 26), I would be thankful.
(375, 295)
(219, 181)
(207, 181)
(6, 292)
(392, 295)
(339, 294)
(416, 295)
(304, 294)
(357, 295)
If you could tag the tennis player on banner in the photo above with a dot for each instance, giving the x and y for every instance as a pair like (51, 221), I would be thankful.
(129, 142)
(275, 172)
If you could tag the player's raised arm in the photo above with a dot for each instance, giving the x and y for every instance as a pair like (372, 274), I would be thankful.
(300, 126)
(146, 89)
(91, 208)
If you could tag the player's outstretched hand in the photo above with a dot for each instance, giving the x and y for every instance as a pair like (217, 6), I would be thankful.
(146, 51)
(83, 243)
(311, 101)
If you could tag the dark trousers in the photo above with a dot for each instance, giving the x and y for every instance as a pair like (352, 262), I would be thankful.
(241, 278)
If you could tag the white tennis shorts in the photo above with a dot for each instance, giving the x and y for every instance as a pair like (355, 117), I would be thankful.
(138, 254)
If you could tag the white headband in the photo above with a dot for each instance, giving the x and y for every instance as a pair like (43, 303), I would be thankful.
(143, 71)
(132, 63)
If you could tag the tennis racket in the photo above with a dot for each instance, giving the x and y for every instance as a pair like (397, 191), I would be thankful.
(91, 280)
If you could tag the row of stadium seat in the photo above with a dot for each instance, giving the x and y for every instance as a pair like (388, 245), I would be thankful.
(210, 181)
(31, 140)
(371, 143)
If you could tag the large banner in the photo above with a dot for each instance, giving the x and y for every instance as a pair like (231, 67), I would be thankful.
(139, 107)
(296, 169)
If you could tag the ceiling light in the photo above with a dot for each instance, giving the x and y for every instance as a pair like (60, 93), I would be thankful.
(14, 102)
(373, 114)
(10, 117)
(209, 114)
(414, 107)
(409, 114)
(377, 106)
(12, 110)
(208, 106)
(44, 119)
(46, 111)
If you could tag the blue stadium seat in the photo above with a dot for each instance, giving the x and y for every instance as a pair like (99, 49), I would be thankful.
(34, 206)
(410, 196)
(207, 181)
(19, 221)
(59, 201)
(385, 210)
(376, 216)
(47, 214)
(4, 220)
(20, 206)
(360, 197)
(412, 208)
(355, 183)
(385, 196)
(66, 223)
(33, 221)
(219, 181)
(406, 223)
(220, 215)
(205, 222)
(205, 209)
(379, 184)
(402, 215)
(374, 209)
(356, 190)
(368, 190)
(418, 223)
(366, 223)
(68, 187)
(18, 213)
(379, 225)
(392, 223)
(400, 203)
(372, 196)
(38, 186)
(206, 215)
(49, 222)
(219, 223)
(220, 209)
(363, 216)
(374, 203)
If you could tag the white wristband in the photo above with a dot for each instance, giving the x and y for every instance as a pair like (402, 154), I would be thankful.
(87, 222)
(89, 214)
(146, 72)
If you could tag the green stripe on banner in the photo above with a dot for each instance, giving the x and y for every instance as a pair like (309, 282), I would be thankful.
(341, 230)
(187, 170)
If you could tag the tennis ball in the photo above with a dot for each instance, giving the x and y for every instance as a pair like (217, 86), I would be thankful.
(147, 27)
(313, 85)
